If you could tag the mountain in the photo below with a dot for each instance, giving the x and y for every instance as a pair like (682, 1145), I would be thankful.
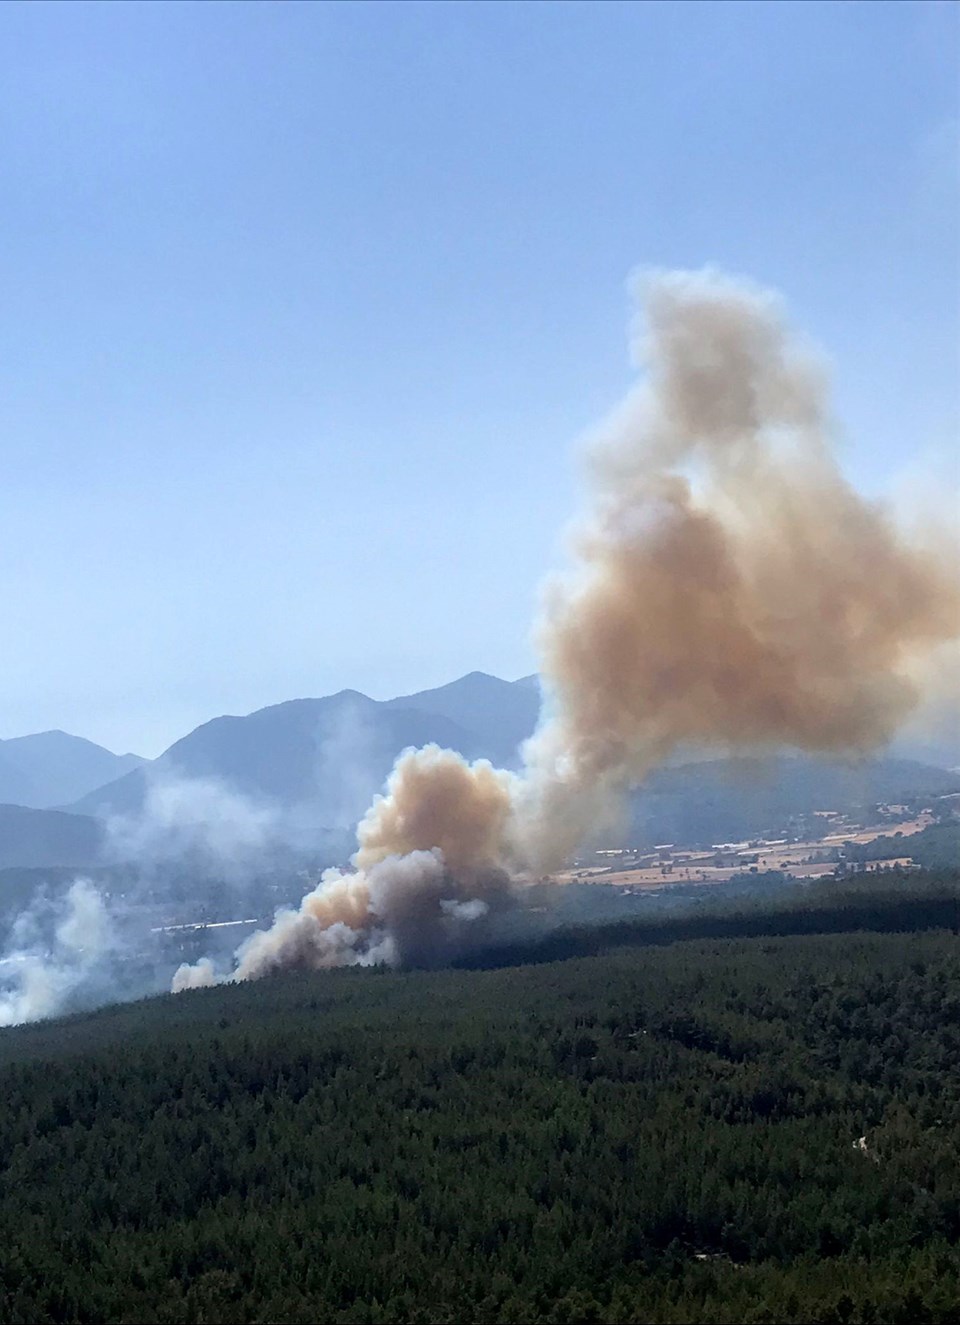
(327, 757)
(943, 750)
(53, 768)
(47, 838)
(332, 753)
(499, 714)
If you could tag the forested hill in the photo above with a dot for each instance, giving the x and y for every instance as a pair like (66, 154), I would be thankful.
(715, 1129)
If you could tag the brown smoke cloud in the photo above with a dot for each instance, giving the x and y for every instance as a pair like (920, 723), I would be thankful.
(433, 862)
(436, 801)
(729, 589)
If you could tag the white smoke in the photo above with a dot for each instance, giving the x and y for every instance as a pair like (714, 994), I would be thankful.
(348, 768)
(40, 972)
(193, 817)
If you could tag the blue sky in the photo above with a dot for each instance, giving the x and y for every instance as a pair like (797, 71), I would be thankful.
(304, 308)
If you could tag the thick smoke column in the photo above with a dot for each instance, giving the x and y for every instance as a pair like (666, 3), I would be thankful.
(732, 588)
(433, 861)
(729, 589)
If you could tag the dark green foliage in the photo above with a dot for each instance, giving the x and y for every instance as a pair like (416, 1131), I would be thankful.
(936, 847)
(665, 1132)
(898, 902)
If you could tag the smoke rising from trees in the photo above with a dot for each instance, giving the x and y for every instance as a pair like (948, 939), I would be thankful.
(729, 588)
(42, 970)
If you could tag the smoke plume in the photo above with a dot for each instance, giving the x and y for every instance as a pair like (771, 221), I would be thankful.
(199, 819)
(40, 974)
(433, 862)
(729, 588)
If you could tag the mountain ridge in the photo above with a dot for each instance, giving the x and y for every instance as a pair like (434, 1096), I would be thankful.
(47, 838)
(318, 762)
(289, 751)
(48, 769)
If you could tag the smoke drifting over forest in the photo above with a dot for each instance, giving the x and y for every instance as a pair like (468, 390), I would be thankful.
(729, 588)
(55, 949)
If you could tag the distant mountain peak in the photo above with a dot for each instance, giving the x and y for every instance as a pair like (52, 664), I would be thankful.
(336, 748)
(531, 682)
(52, 768)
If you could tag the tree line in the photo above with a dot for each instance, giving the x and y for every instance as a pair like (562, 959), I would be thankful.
(700, 1127)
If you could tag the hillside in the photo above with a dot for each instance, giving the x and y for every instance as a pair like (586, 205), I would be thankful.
(709, 1130)
(500, 715)
(47, 838)
(335, 752)
(330, 754)
(314, 765)
(731, 799)
(51, 769)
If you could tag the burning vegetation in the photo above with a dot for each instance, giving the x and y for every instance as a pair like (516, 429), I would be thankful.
(729, 589)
